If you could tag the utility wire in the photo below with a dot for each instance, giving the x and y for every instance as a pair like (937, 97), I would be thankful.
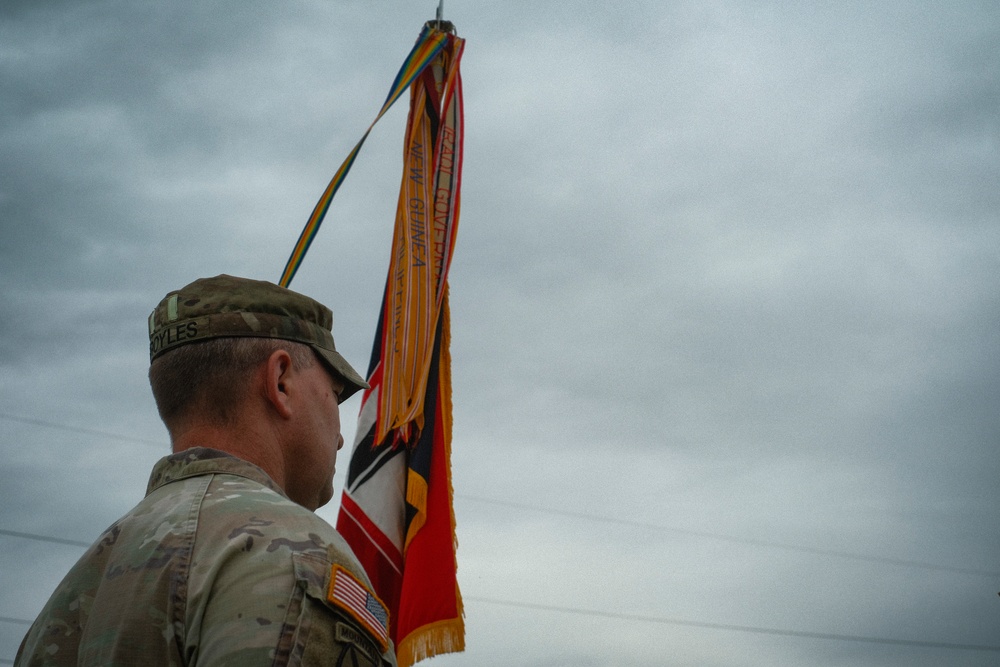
(576, 515)
(660, 620)
(599, 613)
(740, 628)
(739, 540)
(18, 621)
(648, 526)
(44, 538)
(78, 429)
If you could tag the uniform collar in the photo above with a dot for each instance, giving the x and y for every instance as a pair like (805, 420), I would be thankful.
(204, 461)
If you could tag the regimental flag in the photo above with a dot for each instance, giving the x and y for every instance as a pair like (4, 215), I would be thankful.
(396, 511)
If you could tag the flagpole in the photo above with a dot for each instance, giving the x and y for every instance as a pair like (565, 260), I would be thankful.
(439, 22)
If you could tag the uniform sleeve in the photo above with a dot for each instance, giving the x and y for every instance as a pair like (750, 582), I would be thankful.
(260, 587)
(341, 622)
(285, 611)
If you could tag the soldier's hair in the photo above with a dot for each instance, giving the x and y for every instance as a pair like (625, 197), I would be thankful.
(210, 379)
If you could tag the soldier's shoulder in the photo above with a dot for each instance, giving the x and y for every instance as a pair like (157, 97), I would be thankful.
(236, 510)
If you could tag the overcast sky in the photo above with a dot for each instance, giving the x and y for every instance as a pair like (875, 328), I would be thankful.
(725, 300)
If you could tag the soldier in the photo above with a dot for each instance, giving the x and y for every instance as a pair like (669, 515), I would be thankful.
(224, 562)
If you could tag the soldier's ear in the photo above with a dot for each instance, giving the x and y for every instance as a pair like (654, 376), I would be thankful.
(277, 372)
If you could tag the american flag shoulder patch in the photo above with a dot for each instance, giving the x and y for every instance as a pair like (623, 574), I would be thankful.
(348, 593)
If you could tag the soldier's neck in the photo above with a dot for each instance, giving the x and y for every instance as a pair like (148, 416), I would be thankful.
(255, 444)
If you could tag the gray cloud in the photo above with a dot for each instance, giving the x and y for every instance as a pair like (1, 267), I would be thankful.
(726, 269)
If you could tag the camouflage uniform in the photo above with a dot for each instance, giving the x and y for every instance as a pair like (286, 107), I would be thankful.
(216, 566)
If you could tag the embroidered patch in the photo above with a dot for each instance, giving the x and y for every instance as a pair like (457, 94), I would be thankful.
(348, 593)
(346, 634)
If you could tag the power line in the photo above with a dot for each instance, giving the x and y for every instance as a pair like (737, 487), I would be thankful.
(638, 524)
(79, 429)
(740, 628)
(660, 620)
(44, 538)
(18, 621)
(739, 540)
(576, 515)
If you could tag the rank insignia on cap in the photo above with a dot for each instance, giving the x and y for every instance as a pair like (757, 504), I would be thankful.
(348, 593)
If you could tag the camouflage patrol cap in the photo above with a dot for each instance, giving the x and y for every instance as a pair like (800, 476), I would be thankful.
(227, 306)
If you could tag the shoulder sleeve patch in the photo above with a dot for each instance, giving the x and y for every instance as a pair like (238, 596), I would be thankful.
(348, 593)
